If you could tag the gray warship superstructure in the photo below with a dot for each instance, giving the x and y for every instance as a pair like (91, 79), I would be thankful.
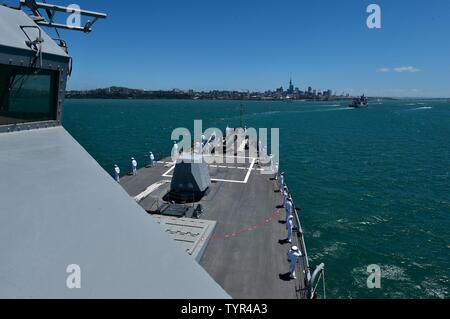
(178, 229)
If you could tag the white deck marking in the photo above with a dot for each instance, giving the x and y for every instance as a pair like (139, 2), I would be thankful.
(249, 171)
(227, 181)
(165, 163)
(228, 156)
(166, 174)
(149, 190)
(245, 181)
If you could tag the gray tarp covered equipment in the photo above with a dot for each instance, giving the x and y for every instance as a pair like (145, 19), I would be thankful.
(191, 175)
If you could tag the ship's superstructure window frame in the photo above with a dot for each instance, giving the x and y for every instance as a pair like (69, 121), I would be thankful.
(27, 95)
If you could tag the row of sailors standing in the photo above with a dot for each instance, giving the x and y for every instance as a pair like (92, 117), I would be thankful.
(294, 253)
(203, 147)
(206, 145)
(134, 165)
(288, 206)
(200, 148)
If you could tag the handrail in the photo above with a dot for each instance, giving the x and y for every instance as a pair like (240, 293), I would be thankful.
(319, 273)
(300, 235)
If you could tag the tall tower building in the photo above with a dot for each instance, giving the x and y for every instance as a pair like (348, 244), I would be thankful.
(291, 87)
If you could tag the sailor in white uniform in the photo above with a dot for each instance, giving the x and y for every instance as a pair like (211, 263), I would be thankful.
(260, 149)
(289, 207)
(293, 256)
(276, 171)
(117, 173)
(134, 166)
(204, 139)
(152, 160)
(271, 163)
(289, 227)
(285, 196)
(281, 181)
(175, 152)
(198, 148)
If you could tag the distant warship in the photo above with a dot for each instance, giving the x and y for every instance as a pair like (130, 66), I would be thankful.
(360, 102)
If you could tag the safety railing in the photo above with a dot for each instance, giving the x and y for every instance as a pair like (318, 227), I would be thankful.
(311, 280)
(301, 238)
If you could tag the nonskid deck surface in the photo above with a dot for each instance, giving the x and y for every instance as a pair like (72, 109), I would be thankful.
(246, 254)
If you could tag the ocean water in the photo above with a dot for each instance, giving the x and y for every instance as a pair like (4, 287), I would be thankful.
(373, 184)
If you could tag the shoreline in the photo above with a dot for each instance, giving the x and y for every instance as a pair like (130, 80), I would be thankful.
(247, 100)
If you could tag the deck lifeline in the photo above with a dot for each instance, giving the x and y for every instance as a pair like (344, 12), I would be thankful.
(245, 254)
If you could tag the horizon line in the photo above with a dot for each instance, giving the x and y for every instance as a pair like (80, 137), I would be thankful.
(250, 91)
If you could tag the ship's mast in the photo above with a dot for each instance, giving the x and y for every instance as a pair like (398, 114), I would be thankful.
(51, 10)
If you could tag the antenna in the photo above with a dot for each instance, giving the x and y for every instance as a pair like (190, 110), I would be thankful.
(51, 10)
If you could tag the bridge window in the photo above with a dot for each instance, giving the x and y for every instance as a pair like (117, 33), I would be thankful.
(27, 95)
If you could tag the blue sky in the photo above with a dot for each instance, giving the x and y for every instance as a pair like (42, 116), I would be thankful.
(257, 44)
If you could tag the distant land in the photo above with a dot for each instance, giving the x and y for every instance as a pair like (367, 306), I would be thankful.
(278, 94)
(290, 94)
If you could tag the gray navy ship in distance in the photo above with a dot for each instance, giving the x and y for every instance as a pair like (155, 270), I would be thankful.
(181, 229)
(360, 102)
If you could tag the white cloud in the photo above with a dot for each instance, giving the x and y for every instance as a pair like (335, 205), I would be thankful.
(400, 69)
(406, 69)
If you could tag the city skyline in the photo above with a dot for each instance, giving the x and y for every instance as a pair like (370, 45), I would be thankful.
(292, 92)
(255, 45)
(291, 88)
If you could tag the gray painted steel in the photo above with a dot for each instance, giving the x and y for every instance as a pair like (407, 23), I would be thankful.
(191, 234)
(16, 28)
(14, 37)
(246, 254)
(58, 207)
(190, 176)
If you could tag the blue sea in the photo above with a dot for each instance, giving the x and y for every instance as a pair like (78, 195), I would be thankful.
(373, 184)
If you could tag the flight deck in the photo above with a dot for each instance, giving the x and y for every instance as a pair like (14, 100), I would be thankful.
(244, 244)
